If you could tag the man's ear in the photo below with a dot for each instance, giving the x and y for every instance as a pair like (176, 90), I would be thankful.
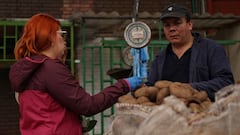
(190, 25)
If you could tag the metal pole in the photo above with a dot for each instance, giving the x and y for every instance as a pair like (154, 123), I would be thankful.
(135, 10)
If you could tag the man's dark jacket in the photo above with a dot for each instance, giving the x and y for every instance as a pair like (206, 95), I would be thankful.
(209, 68)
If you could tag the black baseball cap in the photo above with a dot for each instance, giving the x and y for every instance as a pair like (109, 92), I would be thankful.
(175, 10)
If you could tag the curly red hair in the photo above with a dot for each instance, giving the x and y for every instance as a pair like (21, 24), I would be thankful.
(38, 34)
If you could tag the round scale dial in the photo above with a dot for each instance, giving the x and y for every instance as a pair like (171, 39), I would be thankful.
(137, 34)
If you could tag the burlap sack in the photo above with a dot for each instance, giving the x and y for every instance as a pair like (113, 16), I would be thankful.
(173, 118)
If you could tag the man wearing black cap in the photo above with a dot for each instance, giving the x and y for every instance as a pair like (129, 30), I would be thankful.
(189, 58)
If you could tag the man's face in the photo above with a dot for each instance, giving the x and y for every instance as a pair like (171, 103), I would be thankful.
(177, 30)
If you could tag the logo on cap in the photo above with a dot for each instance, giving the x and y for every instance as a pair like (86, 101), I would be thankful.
(170, 8)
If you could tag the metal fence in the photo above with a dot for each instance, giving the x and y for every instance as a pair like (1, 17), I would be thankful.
(11, 30)
(96, 62)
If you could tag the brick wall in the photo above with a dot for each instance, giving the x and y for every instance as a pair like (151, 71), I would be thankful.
(223, 6)
(73, 6)
(121, 6)
(65, 8)
(126, 6)
(27, 8)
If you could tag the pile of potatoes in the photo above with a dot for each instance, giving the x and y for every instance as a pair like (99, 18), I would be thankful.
(196, 101)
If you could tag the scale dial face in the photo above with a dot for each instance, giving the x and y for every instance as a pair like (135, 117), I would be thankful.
(137, 34)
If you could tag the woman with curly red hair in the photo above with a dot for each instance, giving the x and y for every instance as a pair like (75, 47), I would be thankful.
(50, 99)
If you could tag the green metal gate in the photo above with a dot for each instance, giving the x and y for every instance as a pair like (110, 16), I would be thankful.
(11, 30)
(96, 61)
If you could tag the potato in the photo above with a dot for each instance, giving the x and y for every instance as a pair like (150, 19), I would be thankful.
(206, 104)
(180, 90)
(141, 92)
(127, 99)
(192, 100)
(201, 95)
(131, 101)
(148, 104)
(142, 99)
(195, 108)
(162, 84)
(163, 92)
(152, 93)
